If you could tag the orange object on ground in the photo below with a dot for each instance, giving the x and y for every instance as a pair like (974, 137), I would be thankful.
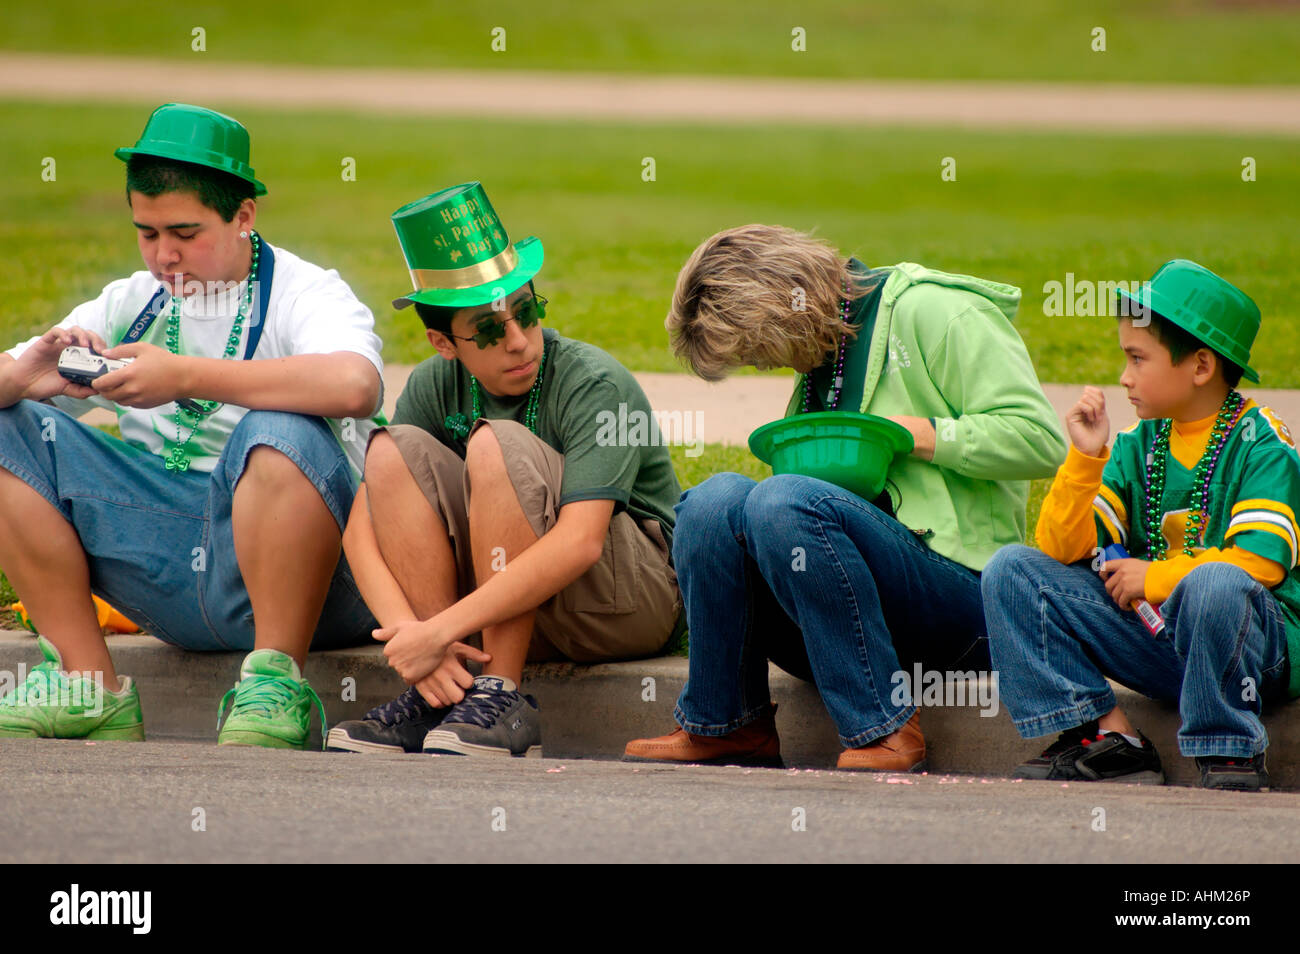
(109, 618)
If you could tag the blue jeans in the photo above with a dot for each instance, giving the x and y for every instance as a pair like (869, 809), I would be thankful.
(796, 567)
(1056, 635)
(160, 545)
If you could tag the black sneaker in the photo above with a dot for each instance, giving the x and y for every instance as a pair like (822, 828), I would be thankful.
(1085, 754)
(1233, 774)
(1069, 742)
(495, 718)
(397, 726)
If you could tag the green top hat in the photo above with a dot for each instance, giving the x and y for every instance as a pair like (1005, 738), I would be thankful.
(197, 135)
(1206, 306)
(458, 251)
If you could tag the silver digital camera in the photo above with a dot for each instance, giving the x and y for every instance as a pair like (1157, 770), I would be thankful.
(83, 365)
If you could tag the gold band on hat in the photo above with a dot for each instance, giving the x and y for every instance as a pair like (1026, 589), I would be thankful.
(471, 276)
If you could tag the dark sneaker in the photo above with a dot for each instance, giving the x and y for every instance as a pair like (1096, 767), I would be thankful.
(1068, 742)
(1084, 754)
(495, 718)
(1233, 774)
(397, 726)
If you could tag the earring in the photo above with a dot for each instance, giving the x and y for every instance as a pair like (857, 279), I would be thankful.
(243, 235)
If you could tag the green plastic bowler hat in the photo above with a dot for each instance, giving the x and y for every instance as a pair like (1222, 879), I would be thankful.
(197, 135)
(847, 449)
(1206, 306)
(458, 252)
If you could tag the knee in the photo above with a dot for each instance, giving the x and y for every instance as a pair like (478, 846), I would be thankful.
(780, 504)
(277, 448)
(307, 437)
(27, 421)
(384, 460)
(484, 456)
(1007, 567)
(1209, 591)
(267, 466)
(717, 502)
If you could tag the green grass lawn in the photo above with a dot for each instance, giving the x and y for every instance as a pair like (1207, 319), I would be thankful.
(1156, 40)
(1024, 208)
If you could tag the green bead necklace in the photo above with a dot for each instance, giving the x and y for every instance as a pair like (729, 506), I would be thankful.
(1157, 460)
(178, 461)
(459, 427)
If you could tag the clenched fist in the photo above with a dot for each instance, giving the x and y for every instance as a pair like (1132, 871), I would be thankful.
(1088, 424)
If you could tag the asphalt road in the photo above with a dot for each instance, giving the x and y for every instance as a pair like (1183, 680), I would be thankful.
(73, 802)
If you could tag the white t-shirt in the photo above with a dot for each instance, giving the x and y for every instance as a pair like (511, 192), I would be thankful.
(310, 311)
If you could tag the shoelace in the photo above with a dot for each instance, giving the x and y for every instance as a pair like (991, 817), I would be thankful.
(481, 708)
(410, 705)
(270, 693)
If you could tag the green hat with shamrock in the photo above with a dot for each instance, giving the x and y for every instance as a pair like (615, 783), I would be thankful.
(458, 251)
(194, 134)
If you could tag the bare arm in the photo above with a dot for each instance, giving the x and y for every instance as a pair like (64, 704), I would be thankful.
(381, 592)
(563, 554)
(342, 384)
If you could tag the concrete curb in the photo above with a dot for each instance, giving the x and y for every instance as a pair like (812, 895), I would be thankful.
(592, 711)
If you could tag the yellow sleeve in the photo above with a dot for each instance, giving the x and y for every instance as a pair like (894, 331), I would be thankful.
(1164, 575)
(1066, 529)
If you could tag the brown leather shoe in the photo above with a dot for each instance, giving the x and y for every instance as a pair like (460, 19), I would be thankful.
(903, 751)
(753, 744)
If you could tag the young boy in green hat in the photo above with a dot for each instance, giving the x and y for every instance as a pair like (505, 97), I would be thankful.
(497, 501)
(216, 521)
(1203, 493)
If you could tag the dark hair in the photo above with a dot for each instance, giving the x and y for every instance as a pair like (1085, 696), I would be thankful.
(1180, 343)
(220, 191)
(438, 318)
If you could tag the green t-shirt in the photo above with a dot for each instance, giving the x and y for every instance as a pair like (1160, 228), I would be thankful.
(592, 411)
(1254, 498)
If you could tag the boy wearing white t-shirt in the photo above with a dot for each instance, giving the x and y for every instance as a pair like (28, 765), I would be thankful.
(216, 521)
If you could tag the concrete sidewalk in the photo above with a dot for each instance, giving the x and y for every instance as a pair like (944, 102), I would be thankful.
(592, 711)
(727, 412)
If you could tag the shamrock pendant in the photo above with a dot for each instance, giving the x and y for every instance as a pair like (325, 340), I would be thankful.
(458, 425)
(178, 463)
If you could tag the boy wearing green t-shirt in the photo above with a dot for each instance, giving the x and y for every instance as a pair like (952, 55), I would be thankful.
(497, 501)
(1203, 492)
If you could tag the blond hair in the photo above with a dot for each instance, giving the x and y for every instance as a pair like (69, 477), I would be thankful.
(764, 295)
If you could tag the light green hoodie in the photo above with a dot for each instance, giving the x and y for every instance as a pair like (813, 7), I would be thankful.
(943, 347)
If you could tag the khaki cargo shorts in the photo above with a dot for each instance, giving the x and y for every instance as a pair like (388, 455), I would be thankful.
(626, 606)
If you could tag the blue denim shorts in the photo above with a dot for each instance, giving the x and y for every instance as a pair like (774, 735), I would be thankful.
(160, 545)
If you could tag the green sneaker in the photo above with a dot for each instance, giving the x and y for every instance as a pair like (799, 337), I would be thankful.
(272, 705)
(51, 705)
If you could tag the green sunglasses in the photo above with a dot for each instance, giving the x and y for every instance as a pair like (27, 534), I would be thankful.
(528, 313)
